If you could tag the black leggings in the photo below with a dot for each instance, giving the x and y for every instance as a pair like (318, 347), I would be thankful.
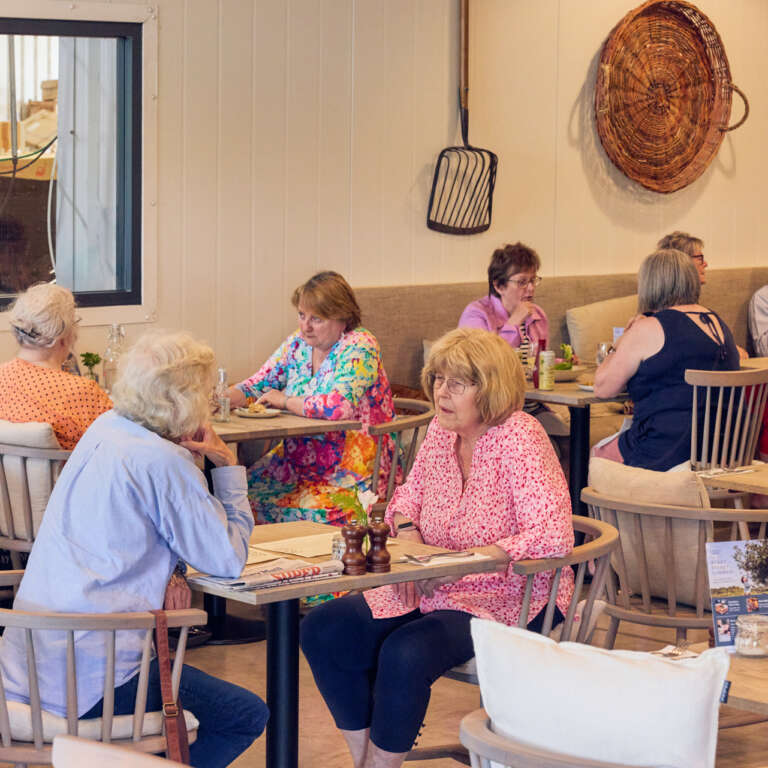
(377, 673)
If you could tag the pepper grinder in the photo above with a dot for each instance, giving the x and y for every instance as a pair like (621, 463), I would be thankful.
(353, 557)
(378, 560)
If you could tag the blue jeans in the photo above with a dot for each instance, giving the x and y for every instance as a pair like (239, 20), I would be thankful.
(231, 718)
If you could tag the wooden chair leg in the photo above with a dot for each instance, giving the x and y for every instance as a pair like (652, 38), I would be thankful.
(610, 635)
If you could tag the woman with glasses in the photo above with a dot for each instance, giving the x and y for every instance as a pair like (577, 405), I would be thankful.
(330, 368)
(32, 385)
(487, 479)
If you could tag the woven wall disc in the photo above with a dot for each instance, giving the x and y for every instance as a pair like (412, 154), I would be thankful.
(663, 94)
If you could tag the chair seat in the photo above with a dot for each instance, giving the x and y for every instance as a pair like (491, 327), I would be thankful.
(20, 716)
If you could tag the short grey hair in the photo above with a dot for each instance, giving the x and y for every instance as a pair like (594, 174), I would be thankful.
(164, 382)
(42, 315)
(681, 241)
(666, 278)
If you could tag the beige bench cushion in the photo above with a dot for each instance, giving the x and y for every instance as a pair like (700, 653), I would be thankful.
(28, 435)
(53, 725)
(681, 488)
(622, 707)
(593, 323)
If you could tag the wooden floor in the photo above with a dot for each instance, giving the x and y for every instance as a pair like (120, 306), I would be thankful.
(321, 746)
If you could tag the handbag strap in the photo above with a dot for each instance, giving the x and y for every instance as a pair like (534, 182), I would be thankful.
(173, 714)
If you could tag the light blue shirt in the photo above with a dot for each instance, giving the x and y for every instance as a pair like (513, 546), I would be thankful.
(127, 506)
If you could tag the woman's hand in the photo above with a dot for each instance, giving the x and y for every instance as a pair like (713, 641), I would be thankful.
(207, 444)
(497, 553)
(236, 398)
(427, 587)
(178, 595)
(410, 534)
(524, 309)
(406, 591)
(274, 398)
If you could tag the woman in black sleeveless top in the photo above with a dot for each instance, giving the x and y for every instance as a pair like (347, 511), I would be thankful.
(672, 333)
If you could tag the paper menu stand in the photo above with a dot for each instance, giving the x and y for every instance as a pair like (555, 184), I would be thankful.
(733, 588)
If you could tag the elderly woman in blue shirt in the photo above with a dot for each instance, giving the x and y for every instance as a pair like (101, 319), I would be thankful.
(128, 505)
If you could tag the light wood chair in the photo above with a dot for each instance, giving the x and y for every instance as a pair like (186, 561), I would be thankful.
(658, 576)
(601, 540)
(26, 731)
(404, 431)
(487, 748)
(734, 402)
(27, 477)
(72, 752)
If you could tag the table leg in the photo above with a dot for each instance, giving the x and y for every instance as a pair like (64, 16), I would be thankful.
(283, 684)
(226, 629)
(579, 440)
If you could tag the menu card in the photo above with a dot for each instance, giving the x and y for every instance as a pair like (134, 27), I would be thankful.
(738, 584)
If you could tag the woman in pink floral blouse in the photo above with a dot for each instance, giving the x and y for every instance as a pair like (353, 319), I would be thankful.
(329, 369)
(486, 479)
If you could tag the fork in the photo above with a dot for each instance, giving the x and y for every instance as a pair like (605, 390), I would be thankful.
(427, 558)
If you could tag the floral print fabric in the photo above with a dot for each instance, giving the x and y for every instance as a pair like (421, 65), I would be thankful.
(317, 477)
(515, 497)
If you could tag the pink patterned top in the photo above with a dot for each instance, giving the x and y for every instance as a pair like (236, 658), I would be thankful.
(515, 497)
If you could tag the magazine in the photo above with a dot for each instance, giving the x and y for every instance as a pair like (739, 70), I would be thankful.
(274, 574)
(738, 584)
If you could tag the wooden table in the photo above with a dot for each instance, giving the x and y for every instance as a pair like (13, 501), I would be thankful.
(283, 624)
(239, 428)
(578, 401)
(754, 481)
(749, 681)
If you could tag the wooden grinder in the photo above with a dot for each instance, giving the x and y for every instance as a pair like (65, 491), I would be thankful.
(353, 557)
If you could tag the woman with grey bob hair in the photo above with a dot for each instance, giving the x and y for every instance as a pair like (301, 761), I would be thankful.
(672, 333)
(33, 387)
(129, 505)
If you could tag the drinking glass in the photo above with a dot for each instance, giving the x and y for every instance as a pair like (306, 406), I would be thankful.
(602, 351)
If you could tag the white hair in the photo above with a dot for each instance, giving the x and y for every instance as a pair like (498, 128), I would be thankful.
(164, 382)
(42, 315)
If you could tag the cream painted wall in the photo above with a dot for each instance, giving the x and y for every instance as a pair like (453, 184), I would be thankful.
(296, 135)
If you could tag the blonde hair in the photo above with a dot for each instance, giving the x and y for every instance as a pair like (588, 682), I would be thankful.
(331, 297)
(666, 278)
(163, 383)
(480, 357)
(42, 315)
(681, 241)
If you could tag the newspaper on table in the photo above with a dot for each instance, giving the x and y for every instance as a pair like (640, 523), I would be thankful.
(274, 574)
(738, 584)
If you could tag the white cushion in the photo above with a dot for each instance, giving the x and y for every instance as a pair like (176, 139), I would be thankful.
(624, 707)
(53, 725)
(683, 488)
(27, 435)
(592, 323)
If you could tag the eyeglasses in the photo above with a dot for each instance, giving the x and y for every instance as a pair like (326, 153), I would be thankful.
(522, 282)
(698, 257)
(454, 386)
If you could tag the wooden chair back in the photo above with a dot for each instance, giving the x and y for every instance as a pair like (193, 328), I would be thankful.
(27, 477)
(644, 586)
(404, 431)
(38, 751)
(733, 403)
(600, 541)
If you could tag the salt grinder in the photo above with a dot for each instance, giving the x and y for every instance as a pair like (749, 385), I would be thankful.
(378, 556)
(353, 557)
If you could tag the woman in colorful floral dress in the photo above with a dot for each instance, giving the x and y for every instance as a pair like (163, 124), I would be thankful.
(329, 369)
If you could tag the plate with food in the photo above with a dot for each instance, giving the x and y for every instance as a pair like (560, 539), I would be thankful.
(567, 366)
(257, 411)
(587, 383)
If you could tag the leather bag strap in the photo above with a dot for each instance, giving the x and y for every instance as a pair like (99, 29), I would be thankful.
(173, 715)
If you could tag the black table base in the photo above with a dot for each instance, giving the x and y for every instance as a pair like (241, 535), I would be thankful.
(579, 443)
(226, 629)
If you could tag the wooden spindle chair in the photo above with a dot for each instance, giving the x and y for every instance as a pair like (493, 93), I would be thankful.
(601, 540)
(26, 730)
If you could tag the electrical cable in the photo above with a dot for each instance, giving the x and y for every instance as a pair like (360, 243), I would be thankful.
(37, 154)
(51, 253)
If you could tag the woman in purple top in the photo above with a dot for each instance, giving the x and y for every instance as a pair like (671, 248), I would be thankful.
(508, 309)
(509, 312)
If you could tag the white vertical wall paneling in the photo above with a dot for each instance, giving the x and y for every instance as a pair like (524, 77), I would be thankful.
(235, 186)
(305, 60)
(369, 126)
(200, 123)
(334, 140)
(264, 328)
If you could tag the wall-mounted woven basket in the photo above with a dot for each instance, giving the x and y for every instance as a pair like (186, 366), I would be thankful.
(663, 94)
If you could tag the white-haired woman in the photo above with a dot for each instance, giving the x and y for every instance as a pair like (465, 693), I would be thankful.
(32, 385)
(129, 504)
(673, 333)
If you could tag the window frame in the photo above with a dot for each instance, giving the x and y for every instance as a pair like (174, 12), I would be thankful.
(139, 304)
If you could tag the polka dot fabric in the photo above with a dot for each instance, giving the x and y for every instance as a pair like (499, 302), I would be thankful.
(69, 403)
(515, 497)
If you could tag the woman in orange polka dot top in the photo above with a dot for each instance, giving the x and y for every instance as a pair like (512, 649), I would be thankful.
(32, 385)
